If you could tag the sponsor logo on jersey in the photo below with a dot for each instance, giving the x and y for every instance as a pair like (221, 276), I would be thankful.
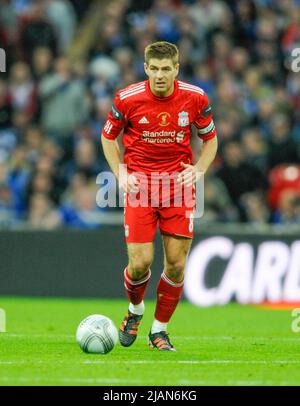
(183, 119)
(180, 136)
(143, 120)
(159, 137)
(164, 118)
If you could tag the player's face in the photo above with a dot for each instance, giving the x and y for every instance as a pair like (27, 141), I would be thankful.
(161, 73)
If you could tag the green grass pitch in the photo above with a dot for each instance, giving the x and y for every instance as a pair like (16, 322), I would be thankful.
(231, 345)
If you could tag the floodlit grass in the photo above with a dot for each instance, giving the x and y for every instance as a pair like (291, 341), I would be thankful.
(231, 345)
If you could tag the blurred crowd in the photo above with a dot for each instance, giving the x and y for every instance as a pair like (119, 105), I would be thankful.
(52, 109)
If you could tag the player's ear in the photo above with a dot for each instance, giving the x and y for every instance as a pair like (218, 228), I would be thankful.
(177, 68)
(146, 68)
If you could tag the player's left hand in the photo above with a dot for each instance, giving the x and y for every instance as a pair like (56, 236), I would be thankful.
(189, 175)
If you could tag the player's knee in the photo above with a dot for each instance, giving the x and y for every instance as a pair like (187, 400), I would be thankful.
(139, 267)
(175, 270)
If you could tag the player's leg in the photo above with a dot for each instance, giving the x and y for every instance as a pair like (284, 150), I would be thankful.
(137, 274)
(169, 289)
(140, 226)
(176, 225)
(136, 279)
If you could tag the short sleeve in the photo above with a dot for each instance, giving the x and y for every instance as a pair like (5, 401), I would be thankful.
(115, 121)
(204, 120)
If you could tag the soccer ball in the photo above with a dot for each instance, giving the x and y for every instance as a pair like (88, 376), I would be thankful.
(97, 334)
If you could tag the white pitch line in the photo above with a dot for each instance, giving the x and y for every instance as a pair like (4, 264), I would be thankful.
(183, 362)
(200, 362)
(231, 383)
(235, 338)
(108, 381)
(258, 383)
(70, 380)
(192, 338)
(34, 335)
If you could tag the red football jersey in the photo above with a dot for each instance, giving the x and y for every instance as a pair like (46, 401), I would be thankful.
(157, 130)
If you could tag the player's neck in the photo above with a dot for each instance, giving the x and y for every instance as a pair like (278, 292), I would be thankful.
(163, 94)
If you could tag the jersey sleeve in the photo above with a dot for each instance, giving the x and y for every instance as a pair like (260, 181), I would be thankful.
(115, 121)
(204, 120)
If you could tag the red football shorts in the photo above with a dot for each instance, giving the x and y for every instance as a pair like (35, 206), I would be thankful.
(140, 223)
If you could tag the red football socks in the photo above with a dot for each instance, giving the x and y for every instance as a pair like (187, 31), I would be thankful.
(135, 290)
(168, 296)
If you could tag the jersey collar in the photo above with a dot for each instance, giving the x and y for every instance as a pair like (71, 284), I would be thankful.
(161, 99)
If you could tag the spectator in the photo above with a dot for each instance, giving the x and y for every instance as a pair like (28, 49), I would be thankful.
(255, 208)
(42, 215)
(217, 203)
(208, 13)
(22, 91)
(34, 139)
(18, 178)
(5, 107)
(64, 102)
(7, 215)
(61, 15)
(238, 176)
(8, 22)
(289, 208)
(40, 183)
(36, 31)
(283, 148)
(85, 161)
(255, 148)
(82, 212)
(42, 61)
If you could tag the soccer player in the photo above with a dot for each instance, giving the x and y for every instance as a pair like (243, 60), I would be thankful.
(156, 117)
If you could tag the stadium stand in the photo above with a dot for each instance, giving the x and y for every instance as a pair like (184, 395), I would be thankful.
(65, 61)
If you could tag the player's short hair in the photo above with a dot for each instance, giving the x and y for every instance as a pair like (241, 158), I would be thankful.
(162, 50)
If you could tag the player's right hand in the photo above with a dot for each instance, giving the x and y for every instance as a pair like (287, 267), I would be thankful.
(129, 184)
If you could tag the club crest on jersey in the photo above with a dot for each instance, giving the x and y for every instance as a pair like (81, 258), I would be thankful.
(183, 119)
(164, 118)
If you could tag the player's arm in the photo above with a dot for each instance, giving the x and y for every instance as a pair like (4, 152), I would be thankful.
(207, 132)
(208, 154)
(112, 154)
(127, 182)
(112, 128)
(192, 173)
